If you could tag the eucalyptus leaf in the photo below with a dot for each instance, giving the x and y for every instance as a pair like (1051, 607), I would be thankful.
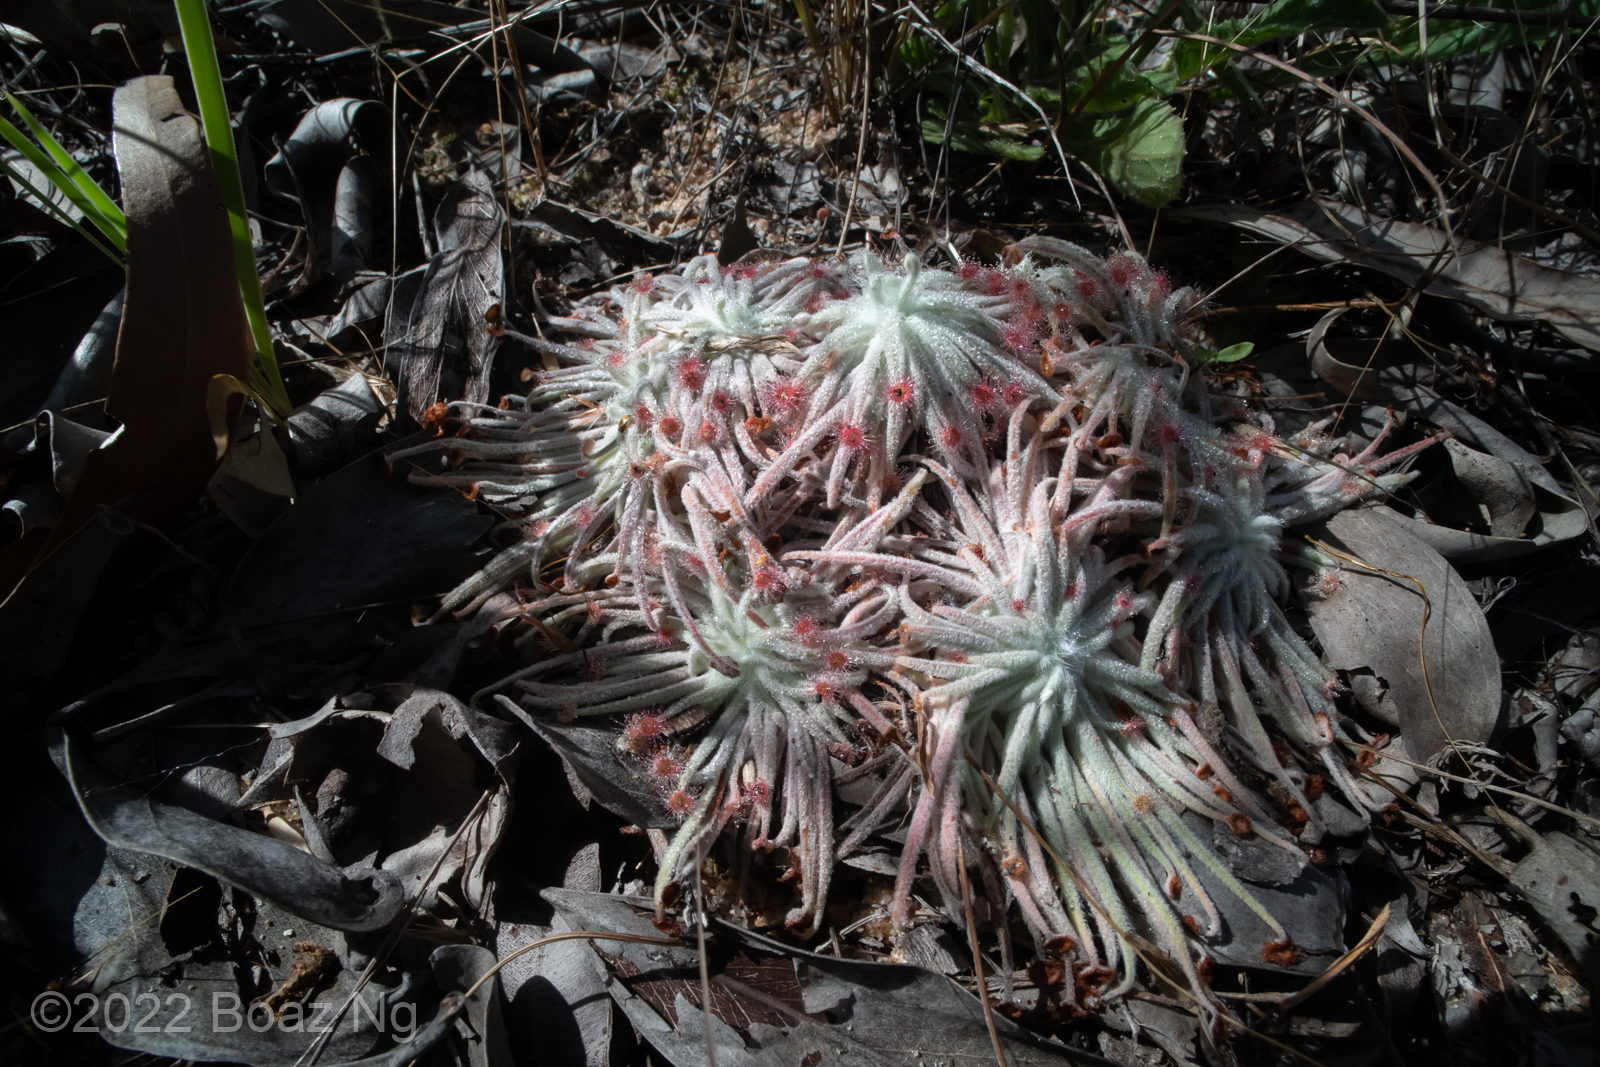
(1426, 664)
(772, 1004)
(1497, 282)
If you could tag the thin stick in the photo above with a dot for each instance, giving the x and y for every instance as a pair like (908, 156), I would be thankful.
(506, 233)
(977, 955)
(1341, 964)
(866, 120)
(1429, 823)
(114, 942)
(400, 164)
(700, 940)
(528, 124)
(1487, 14)
(573, 935)
(1279, 248)
(695, 130)
(1326, 305)
(1392, 137)
(1513, 793)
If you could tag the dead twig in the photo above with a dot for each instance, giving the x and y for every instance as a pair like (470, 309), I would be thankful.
(977, 954)
(861, 141)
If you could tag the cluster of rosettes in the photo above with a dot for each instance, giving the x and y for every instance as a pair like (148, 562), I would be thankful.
(984, 525)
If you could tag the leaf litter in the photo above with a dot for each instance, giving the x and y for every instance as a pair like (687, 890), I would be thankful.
(285, 618)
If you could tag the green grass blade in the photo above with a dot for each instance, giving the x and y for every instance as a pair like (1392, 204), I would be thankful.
(54, 175)
(109, 210)
(59, 212)
(208, 90)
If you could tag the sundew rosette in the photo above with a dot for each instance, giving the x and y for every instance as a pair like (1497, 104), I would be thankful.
(776, 514)
(1019, 645)
(763, 692)
(907, 350)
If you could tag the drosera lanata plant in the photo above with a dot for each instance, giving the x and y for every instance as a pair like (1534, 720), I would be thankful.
(909, 351)
(773, 681)
(582, 456)
(779, 514)
(1036, 672)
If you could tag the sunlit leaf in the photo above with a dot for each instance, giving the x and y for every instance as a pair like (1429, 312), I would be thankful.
(1140, 152)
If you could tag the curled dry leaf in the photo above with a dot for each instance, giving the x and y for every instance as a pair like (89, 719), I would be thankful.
(133, 818)
(773, 1005)
(555, 995)
(1401, 960)
(334, 426)
(183, 322)
(315, 164)
(1559, 517)
(1498, 486)
(419, 781)
(1500, 284)
(1371, 626)
(1527, 508)
(253, 487)
(1560, 879)
(621, 785)
(461, 967)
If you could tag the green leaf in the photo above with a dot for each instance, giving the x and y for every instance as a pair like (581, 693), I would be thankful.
(1285, 18)
(47, 168)
(1140, 152)
(1450, 38)
(1231, 354)
(53, 207)
(108, 213)
(1163, 82)
(975, 140)
(1124, 88)
(195, 24)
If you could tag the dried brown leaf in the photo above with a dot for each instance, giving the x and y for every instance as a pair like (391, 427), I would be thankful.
(183, 323)
(449, 346)
(1500, 284)
(1372, 622)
